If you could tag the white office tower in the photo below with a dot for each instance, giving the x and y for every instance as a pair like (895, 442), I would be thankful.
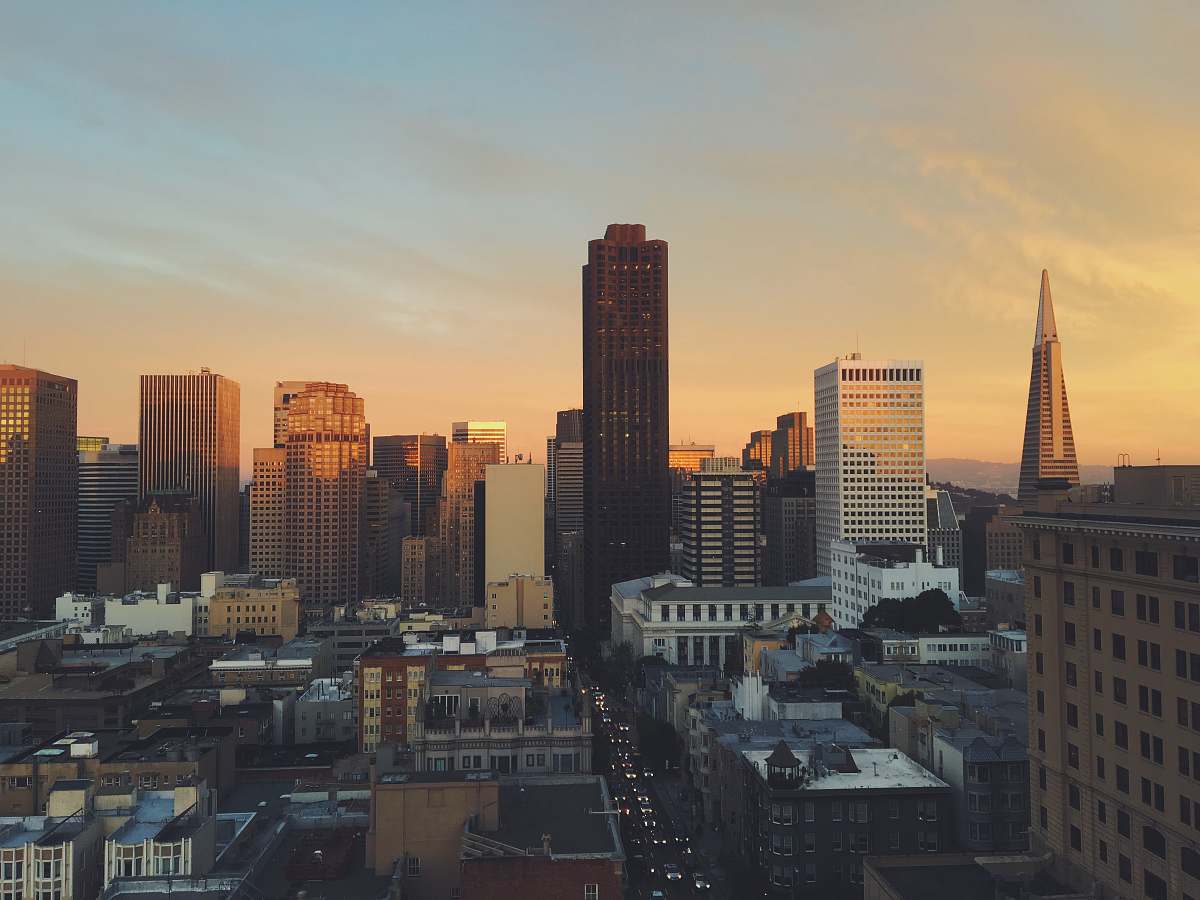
(863, 574)
(482, 433)
(870, 437)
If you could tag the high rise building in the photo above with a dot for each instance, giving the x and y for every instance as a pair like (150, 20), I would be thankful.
(244, 528)
(568, 506)
(414, 464)
(519, 601)
(38, 490)
(324, 472)
(268, 499)
(790, 528)
(513, 526)
(551, 471)
(189, 434)
(466, 465)
(627, 490)
(482, 433)
(568, 429)
(721, 528)
(381, 535)
(166, 543)
(756, 455)
(870, 449)
(792, 444)
(419, 575)
(944, 542)
(106, 477)
(284, 392)
(1112, 595)
(1049, 450)
(682, 461)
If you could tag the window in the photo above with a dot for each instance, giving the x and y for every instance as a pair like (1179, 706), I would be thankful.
(1100, 724)
(1043, 817)
(591, 892)
(1117, 602)
(1073, 795)
(1125, 868)
(1120, 690)
(1103, 849)
(1186, 568)
(1041, 740)
(1068, 553)
(412, 867)
(1037, 624)
(1041, 701)
(1122, 779)
(1039, 662)
(1116, 559)
(1095, 598)
(1189, 860)
(1042, 777)
(1068, 593)
(1099, 767)
(893, 809)
(1072, 756)
(1101, 811)
(1118, 646)
(1098, 681)
(1072, 715)
(1076, 839)
(1097, 639)
(1145, 562)
(1122, 823)
(1069, 633)
(1120, 734)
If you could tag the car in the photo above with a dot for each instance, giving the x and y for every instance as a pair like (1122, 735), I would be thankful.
(672, 872)
(700, 882)
(643, 798)
(658, 838)
(657, 894)
(631, 775)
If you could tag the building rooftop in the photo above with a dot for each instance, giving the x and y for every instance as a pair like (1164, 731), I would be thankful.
(323, 690)
(477, 679)
(978, 746)
(867, 769)
(1013, 576)
(687, 593)
(916, 676)
(562, 807)
(296, 652)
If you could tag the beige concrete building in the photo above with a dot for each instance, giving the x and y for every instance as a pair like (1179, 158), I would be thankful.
(263, 605)
(267, 496)
(521, 601)
(1113, 628)
(514, 521)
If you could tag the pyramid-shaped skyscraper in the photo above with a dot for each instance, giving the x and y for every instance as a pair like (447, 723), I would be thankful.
(1049, 450)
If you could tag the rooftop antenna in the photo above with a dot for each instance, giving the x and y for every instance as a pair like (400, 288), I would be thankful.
(1158, 458)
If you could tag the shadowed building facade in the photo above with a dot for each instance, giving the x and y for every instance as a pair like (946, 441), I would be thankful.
(626, 488)
(189, 435)
(38, 490)
(1049, 450)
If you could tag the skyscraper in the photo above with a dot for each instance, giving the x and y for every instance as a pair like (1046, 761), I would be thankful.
(414, 464)
(1049, 450)
(627, 490)
(466, 465)
(721, 527)
(790, 528)
(268, 504)
(284, 392)
(38, 490)
(189, 435)
(87, 443)
(870, 448)
(379, 557)
(791, 444)
(325, 468)
(568, 429)
(756, 455)
(482, 433)
(106, 477)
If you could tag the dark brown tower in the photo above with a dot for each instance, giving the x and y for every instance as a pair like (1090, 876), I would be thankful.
(626, 489)
(38, 490)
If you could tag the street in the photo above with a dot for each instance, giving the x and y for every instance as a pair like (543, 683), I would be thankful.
(665, 857)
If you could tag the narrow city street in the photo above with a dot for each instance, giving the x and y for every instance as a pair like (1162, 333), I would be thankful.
(665, 856)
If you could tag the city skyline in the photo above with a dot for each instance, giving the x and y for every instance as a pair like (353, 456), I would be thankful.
(921, 214)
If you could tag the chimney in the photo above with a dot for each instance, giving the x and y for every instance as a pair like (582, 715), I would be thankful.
(546, 843)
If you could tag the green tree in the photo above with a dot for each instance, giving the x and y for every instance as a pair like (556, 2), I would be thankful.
(928, 613)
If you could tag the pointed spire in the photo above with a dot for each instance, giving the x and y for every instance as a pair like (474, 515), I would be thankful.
(1047, 330)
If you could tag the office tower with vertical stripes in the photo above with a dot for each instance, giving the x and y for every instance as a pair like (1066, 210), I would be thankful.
(107, 476)
(189, 434)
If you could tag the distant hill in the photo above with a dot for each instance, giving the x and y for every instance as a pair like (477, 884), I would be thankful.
(997, 477)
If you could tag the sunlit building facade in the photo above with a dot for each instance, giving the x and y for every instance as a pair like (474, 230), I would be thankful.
(324, 470)
(870, 453)
(482, 433)
(268, 496)
(466, 467)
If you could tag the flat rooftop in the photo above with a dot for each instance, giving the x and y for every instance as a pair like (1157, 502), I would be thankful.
(877, 770)
(561, 807)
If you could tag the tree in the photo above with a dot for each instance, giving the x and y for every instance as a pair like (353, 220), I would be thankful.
(928, 613)
(827, 674)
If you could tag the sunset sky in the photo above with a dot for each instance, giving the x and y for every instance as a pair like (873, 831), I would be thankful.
(399, 197)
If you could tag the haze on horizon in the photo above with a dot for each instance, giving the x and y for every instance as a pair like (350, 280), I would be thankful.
(401, 201)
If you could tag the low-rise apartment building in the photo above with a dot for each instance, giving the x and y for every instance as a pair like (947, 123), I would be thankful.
(296, 663)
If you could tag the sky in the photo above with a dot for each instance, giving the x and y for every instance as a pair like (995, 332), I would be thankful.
(399, 197)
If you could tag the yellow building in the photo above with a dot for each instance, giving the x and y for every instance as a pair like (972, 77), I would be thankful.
(519, 601)
(263, 605)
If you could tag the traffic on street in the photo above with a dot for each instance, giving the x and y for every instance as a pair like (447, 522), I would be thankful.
(662, 859)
